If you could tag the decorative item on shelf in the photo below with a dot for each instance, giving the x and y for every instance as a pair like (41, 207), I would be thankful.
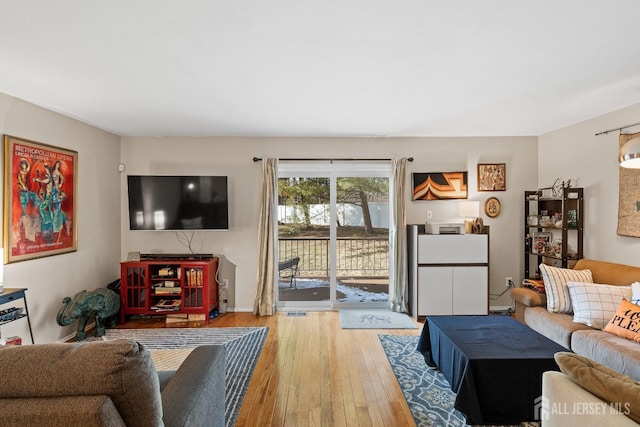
(469, 209)
(555, 190)
(556, 247)
(492, 207)
(572, 218)
(557, 220)
(532, 220)
(541, 241)
(545, 221)
(478, 226)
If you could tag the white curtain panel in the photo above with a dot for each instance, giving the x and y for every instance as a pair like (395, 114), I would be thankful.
(264, 304)
(399, 236)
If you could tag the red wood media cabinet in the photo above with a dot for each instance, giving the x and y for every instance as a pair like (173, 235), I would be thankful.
(168, 286)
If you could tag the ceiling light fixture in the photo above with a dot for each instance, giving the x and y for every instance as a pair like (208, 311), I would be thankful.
(630, 154)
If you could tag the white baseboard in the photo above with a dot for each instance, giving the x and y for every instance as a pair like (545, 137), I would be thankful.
(501, 308)
(239, 310)
(90, 327)
(67, 338)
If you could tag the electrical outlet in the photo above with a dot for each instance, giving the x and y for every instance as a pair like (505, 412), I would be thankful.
(508, 281)
(429, 214)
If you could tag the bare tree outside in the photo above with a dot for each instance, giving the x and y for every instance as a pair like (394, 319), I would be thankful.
(360, 191)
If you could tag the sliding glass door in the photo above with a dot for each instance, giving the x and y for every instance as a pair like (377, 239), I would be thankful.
(362, 239)
(303, 240)
(333, 235)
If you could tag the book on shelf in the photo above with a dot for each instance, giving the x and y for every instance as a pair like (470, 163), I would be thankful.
(177, 318)
(194, 276)
(167, 305)
(164, 290)
(166, 272)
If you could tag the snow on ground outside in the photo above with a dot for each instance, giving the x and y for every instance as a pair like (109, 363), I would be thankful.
(352, 294)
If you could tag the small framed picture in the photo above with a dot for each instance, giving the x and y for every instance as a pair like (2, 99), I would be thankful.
(541, 242)
(492, 207)
(492, 177)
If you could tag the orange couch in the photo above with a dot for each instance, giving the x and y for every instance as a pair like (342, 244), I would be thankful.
(618, 353)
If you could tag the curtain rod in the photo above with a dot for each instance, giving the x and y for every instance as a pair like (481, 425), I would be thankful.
(615, 129)
(259, 159)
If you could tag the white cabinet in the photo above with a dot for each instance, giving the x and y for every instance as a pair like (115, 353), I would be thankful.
(448, 274)
(453, 249)
(452, 290)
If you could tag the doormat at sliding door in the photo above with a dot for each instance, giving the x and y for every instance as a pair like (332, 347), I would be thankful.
(374, 319)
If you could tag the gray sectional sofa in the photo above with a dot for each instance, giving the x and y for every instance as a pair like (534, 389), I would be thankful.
(109, 383)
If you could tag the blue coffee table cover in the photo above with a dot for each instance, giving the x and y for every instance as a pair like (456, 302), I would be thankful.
(494, 365)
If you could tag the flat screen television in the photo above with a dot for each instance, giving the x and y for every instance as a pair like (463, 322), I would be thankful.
(162, 202)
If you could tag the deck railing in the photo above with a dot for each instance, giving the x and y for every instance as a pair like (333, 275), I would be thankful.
(363, 257)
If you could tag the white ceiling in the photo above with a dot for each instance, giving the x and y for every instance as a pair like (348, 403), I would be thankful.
(323, 67)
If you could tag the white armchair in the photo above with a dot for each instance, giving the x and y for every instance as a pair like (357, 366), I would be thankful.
(566, 404)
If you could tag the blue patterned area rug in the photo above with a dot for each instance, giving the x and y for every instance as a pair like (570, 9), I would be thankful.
(425, 389)
(374, 319)
(244, 346)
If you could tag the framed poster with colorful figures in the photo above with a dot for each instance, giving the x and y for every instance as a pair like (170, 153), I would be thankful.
(40, 200)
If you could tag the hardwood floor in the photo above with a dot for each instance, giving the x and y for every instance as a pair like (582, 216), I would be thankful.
(313, 373)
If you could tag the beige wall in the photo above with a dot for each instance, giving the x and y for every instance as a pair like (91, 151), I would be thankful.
(95, 263)
(233, 157)
(575, 152)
